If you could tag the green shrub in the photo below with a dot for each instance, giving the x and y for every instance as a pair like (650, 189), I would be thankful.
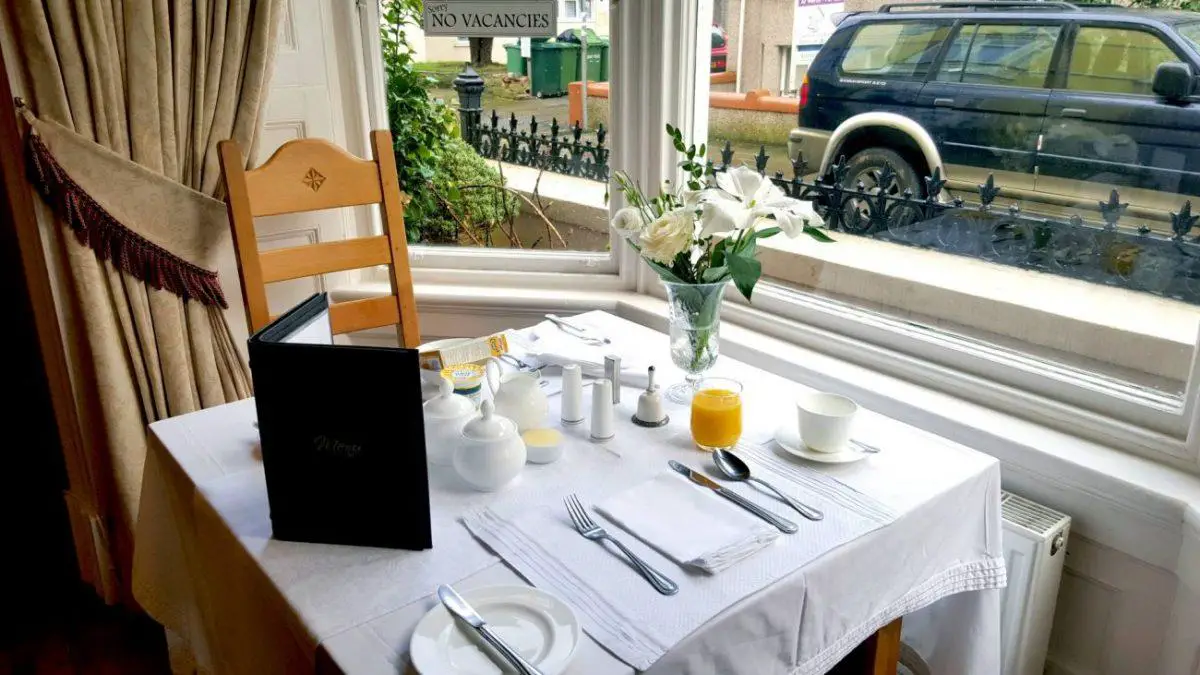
(432, 162)
(475, 193)
(420, 127)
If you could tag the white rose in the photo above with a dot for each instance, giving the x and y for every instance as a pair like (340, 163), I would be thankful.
(628, 219)
(669, 235)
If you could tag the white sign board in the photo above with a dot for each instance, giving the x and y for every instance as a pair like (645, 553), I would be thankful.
(814, 21)
(491, 18)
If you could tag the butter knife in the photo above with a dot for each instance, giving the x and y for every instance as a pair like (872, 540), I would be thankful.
(460, 608)
(700, 479)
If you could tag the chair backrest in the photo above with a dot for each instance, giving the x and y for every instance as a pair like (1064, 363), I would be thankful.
(309, 175)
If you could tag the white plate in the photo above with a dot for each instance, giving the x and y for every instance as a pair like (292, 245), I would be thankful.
(538, 625)
(788, 438)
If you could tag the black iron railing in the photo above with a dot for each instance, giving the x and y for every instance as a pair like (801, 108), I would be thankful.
(562, 150)
(1099, 248)
(1104, 251)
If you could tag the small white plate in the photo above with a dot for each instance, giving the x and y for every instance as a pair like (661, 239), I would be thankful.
(541, 627)
(788, 438)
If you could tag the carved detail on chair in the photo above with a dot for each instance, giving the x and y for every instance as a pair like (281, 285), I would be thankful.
(313, 179)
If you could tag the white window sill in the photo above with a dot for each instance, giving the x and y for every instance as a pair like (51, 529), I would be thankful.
(1027, 309)
(1120, 500)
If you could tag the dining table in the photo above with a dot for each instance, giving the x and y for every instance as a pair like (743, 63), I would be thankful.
(910, 546)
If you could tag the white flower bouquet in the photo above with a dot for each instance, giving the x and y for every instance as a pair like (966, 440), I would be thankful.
(707, 230)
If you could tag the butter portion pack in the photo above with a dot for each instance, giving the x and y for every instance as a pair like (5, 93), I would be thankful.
(468, 351)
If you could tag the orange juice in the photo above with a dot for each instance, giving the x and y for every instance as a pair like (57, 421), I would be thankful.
(717, 414)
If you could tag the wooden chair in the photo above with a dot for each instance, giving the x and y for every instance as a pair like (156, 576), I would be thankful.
(309, 175)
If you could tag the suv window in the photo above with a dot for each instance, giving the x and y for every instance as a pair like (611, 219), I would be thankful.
(893, 49)
(1116, 60)
(1191, 31)
(1003, 54)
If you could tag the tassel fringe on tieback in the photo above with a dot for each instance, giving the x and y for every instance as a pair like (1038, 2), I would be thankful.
(97, 229)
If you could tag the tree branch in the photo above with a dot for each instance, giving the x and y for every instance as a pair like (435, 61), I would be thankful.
(462, 226)
(520, 195)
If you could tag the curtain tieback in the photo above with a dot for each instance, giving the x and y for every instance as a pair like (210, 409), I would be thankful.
(97, 229)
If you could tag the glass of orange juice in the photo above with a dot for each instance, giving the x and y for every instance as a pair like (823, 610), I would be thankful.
(717, 413)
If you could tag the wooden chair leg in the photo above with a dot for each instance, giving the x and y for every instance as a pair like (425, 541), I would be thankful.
(883, 649)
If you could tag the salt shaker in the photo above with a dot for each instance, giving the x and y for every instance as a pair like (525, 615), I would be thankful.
(602, 411)
(572, 394)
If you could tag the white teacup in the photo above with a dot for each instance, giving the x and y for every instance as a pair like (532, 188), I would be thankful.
(826, 421)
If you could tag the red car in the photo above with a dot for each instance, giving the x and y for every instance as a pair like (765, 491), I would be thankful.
(720, 52)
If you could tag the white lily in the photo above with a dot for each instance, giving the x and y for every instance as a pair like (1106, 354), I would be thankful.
(743, 197)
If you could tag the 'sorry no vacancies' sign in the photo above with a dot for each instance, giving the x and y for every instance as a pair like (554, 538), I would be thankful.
(495, 18)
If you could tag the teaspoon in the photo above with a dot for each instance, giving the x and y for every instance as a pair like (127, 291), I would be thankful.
(732, 467)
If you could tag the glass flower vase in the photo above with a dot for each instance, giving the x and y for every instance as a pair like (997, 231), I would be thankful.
(695, 324)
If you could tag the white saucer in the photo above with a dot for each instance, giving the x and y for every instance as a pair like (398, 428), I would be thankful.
(538, 625)
(788, 438)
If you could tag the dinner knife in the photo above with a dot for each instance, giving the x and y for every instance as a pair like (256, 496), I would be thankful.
(463, 610)
(700, 479)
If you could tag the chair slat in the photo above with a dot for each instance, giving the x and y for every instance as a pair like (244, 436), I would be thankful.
(347, 317)
(309, 260)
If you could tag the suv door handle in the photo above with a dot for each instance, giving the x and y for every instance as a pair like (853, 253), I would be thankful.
(1073, 112)
(943, 102)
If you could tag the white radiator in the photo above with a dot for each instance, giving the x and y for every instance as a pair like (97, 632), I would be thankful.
(1035, 540)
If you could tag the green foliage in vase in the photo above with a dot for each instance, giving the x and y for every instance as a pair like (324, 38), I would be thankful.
(707, 231)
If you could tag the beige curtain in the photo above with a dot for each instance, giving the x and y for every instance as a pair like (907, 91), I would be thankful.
(133, 96)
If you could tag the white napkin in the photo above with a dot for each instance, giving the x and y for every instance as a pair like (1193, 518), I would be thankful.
(550, 346)
(688, 524)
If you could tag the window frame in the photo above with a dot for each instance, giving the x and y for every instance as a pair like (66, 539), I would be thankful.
(463, 265)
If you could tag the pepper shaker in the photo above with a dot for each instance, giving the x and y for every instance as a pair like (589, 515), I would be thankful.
(572, 394)
(602, 411)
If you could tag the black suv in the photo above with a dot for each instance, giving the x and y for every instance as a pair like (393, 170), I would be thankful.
(1062, 102)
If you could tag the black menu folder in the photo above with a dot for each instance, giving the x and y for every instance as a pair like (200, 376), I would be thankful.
(342, 433)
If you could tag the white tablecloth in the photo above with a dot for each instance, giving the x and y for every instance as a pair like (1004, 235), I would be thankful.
(206, 566)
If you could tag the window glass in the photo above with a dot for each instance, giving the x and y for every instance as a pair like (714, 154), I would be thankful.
(893, 49)
(505, 157)
(1043, 279)
(1116, 60)
(1003, 54)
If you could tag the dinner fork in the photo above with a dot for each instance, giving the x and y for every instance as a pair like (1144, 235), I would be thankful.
(590, 530)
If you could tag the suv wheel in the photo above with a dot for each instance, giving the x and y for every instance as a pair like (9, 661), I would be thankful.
(870, 168)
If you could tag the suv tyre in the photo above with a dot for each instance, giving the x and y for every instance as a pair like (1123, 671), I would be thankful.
(869, 166)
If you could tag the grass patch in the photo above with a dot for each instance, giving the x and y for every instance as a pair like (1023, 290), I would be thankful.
(493, 74)
(444, 72)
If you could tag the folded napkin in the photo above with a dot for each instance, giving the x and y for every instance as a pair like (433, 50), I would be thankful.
(547, 344)
(688, 524)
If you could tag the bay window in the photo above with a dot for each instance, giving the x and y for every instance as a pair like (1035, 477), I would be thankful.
(1035, 298)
